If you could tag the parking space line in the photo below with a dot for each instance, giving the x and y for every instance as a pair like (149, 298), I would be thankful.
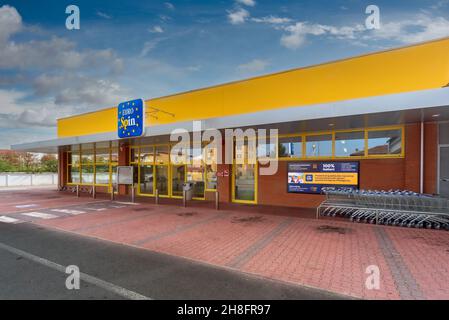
(9, 220)
(68, 211)
(40, 215)
(128, 294)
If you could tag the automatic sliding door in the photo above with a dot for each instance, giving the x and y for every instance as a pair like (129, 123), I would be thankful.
(178, 179)
(245, 182)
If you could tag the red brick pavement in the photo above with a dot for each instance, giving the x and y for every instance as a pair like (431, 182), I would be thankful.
(327, 254)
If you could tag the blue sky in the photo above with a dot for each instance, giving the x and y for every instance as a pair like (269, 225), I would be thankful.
(145, 49)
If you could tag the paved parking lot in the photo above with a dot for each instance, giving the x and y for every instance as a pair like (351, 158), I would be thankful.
(326, 254)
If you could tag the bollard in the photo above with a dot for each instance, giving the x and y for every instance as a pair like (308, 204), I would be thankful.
(156, 196)
(94, 192)
(77, 190)
(112, 193)
(217, 200)
(184, 198)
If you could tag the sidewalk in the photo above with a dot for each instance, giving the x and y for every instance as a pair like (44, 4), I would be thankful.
(330, 255)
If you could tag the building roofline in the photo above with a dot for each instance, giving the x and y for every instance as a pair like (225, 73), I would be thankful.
(276, 73)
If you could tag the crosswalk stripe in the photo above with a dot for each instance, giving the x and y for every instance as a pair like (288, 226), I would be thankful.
(40, 215)
(74, 212)
(6, 219)
(95, 209)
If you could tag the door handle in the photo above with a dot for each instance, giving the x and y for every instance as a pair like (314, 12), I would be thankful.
(444, 180)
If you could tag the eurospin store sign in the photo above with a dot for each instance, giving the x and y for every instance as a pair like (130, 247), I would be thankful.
(131, 119)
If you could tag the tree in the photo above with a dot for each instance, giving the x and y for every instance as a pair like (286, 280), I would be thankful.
(49, 163)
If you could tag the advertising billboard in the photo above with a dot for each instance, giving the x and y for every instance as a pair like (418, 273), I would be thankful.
(311, 177)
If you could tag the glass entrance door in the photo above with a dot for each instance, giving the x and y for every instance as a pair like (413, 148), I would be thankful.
(444, 171)
(244, 174)
(178, 179)
(244, 183)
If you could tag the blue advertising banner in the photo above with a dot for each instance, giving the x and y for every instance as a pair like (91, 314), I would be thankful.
(131, 119)
(311, 177)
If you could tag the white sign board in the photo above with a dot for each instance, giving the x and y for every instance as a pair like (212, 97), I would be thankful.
(125, 175)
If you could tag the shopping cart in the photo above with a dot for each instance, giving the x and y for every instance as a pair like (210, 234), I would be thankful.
(393, 207)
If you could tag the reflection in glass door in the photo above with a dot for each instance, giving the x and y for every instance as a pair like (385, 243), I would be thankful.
(146, 180)
(178, 179)
(244, 174)
(245, 183)
(162, 180)
(195, 174)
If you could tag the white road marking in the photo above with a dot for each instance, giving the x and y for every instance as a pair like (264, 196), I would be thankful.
(23, 206)
(6, 219)
(85, 277)
(74, 212)
(118, 207)
(95, 209)
(40, 215)
(128, 203)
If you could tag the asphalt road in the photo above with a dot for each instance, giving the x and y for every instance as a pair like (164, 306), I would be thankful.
(33, 261)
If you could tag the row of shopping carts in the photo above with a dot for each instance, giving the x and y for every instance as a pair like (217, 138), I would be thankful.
(392, 207)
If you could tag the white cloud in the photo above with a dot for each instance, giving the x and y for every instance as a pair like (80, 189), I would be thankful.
(104, 15)
(10, 22)
(169, 5)
(254, 66)
(156, 29)
(249, 3)
(272, 20)
(149, 46)
(19, 113)
(238, 16)
(417, 29)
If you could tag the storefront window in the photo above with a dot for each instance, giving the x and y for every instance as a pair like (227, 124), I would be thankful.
(162, 180)
(134, 155)
(146, 154)
(87, 153)
(196, 176)
(102, 174)
(290, 147)
(178, 179)
(319, 146)
(350, 144)
(162, 155)
(384, 142)
(102, 156)
(266, 150)
(74, 174)
(179, 154)
(146, 180)
(114, 155)
(87, 174)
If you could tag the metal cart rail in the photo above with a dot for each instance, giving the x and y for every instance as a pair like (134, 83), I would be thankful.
(393, 207)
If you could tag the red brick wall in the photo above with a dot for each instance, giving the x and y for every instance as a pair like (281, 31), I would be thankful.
(374, 173)
(62, 168)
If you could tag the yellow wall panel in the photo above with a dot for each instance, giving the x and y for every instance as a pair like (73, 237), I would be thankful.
(89, 123)
(419, 67)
